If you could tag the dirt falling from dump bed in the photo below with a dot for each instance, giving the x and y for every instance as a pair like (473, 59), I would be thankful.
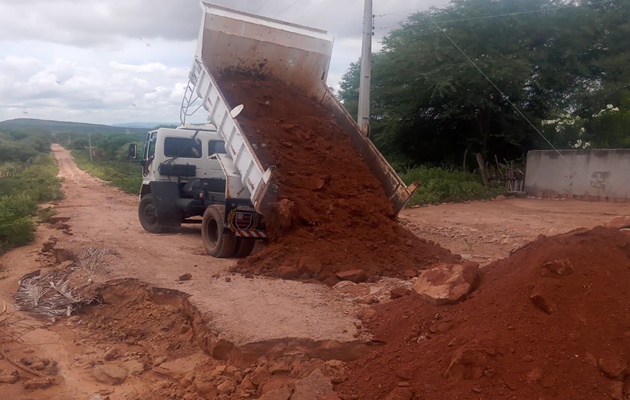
(329, 208)
(549, 322)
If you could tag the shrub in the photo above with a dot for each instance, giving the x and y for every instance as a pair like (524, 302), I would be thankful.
(16, 222)
(438, 185)
(21, 193)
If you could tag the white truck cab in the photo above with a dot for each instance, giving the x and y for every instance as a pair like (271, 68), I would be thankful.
(186, 174)
(188, 151)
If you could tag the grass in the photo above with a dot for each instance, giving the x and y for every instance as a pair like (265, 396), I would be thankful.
(438, 185)
(38, 183)
(122, 174)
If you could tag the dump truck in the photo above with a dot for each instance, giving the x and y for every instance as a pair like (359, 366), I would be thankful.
(211, 170)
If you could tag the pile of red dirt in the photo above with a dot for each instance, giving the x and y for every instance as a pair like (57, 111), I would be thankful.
(550, 321)
(330, 213)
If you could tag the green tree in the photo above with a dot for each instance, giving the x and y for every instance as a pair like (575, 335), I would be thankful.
(548, 57)
(349, 88)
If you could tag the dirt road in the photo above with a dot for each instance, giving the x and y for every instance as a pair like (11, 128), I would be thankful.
(485, 231)
(248, 313)
(158, 335)
(241, 309)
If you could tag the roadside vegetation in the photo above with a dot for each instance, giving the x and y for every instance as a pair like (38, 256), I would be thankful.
(28, 177)
(444, 185)
(109, 158)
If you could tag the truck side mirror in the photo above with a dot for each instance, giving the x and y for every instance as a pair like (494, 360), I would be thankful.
(132, 152)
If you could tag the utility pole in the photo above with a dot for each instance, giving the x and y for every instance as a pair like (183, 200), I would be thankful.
(90, 145)
(363, 117)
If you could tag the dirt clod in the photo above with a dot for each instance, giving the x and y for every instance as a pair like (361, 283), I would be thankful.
(613, 367)
(399, 292)
(447, 283)
(186, 277)
(353, 275)
(38, 383)
(111, 354)
(9, 378)
(313, 387)
(109, 374)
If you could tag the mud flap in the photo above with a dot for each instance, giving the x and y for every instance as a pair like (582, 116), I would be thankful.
(165, 196)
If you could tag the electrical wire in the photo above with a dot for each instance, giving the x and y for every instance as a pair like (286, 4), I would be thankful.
(286, 9)
(262, 6)
(521, 13)
(321, 3)
(396, 12)
(546, 9)
(505, 97)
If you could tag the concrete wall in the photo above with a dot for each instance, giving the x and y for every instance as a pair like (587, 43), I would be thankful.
(587, 174)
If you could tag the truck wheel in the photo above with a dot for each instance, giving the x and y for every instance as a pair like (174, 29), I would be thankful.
(244, 247)
(148, 215)
(217, 243)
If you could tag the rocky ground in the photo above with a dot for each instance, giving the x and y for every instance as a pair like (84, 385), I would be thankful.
(151, 316)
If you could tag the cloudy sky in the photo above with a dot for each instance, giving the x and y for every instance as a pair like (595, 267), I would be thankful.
(118, 61)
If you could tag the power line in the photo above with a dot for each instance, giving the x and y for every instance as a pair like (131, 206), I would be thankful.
(286, 9)
(545, 9)
(384, 28)
(496, 87)
(262, 6)
(397, 12)
(321, 3)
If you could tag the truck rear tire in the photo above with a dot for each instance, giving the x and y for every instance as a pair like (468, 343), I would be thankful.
(147, 214)
(216, 241)
(244, 247)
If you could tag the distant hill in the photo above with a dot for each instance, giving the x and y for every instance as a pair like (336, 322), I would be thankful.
(145, 125)
(64, 126)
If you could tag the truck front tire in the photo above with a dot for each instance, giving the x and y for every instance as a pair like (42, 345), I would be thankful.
(217, 242)
(148, 215)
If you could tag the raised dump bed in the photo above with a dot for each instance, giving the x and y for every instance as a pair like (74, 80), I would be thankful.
(234, 41)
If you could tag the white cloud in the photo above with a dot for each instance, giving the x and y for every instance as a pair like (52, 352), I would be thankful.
(30, 87)
(128, 60)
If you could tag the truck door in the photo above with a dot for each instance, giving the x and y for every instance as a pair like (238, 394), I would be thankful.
(148, 153)
(213, 168)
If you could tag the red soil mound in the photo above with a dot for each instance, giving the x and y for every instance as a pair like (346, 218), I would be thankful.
(551, 321)
(329, 206)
